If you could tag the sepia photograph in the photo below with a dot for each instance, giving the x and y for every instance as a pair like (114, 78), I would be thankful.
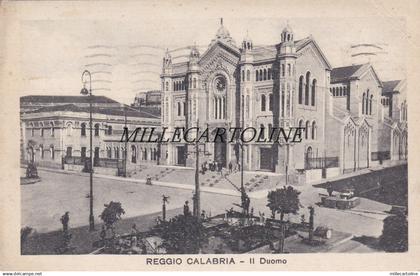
(230, 139)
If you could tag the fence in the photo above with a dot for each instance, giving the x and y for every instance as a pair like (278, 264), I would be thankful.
(321, 162)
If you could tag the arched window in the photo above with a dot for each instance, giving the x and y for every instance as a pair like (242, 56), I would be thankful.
(308, 76)
(109, 130)
(69, 129)
(179, 109)
(261, 74)
(308, 153)
(262, 102)
(344, 91)
(248, 75)
(96, 129)
(52, 153)
(289, 69)
(265, 74)
(41, 151)
(83, 129)
(269, 74)
(42, 131)
(313, 96)
(133, 154)
(167, 86)
(370, 104)
(271, 102)
(363, 103)
(307, 130)
(195, 83)
(300, 95)
(367, 103)
(313, 133)
(262, 131)
(243, 75)
(33, 129)
(256, 75)
(283, 70)
(52, 129)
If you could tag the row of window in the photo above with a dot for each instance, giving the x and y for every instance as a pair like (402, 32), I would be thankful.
(309, 88)
(69, 130)
(385, 101)
(339, 91)
(264, 102)
(181, 85)
(42, 151)
(367, 100)
(310, 129)
(309, 133)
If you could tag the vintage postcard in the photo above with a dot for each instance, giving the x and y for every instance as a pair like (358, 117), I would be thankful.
(209, 135)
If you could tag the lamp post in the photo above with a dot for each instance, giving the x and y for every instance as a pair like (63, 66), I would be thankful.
(87, 92)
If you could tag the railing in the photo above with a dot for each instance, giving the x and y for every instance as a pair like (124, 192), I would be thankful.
(74, 160)
(380, 155)
(321, 162)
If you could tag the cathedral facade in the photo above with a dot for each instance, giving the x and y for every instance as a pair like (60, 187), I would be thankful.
(276, 86)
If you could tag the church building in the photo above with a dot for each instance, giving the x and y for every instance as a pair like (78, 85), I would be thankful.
(273, 86)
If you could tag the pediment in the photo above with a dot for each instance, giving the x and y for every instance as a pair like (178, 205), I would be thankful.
(219, 57)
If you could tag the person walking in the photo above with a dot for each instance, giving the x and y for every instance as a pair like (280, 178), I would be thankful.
(230, 167)
(65, 221)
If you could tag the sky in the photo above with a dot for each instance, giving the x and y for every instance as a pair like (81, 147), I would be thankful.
(127, 55)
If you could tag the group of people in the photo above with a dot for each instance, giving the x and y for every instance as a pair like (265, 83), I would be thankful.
(218, 166)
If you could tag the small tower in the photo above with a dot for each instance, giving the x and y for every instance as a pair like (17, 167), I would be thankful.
(193, 87)
(286, 60)
(166, 78)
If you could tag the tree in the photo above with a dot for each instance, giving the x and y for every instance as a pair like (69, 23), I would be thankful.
(394, 236)
(182, 235)
(283, 201)
(111, 214)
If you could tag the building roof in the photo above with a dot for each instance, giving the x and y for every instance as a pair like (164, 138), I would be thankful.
(390, 86)
(345, 73)
(117, 111)
(65, 99)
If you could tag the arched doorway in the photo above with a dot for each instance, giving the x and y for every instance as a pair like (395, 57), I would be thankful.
(220, 150)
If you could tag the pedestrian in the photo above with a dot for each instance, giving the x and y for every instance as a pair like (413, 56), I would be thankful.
(203, 215)
(186, 209)
(230, 167)
(65, 221)
(103, 233)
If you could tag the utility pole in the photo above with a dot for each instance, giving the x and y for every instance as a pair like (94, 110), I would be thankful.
(125, 143)
(242, 146)
(196, 207)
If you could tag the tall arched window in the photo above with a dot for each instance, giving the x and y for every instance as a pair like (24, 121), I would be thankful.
(83, 129)
(262, 131)
(367, 103)
(256, 75)
(261, 74)
(179, 109)
(265, 74)
(69, 129)
(96, 129)
(41, 151)
(133, 154)
(363, 103)
(313, 96)
(300, 95)
(307, 130)
(283, 70)
(269, 74)
(262, 102)
(248, 75)
(308, 76)
(52, 129)
(289, 69)
(195, 83)
(370, 104)
(271, 102)
(313, 133)
(167, 86)
(52, 153)
(243, 75)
